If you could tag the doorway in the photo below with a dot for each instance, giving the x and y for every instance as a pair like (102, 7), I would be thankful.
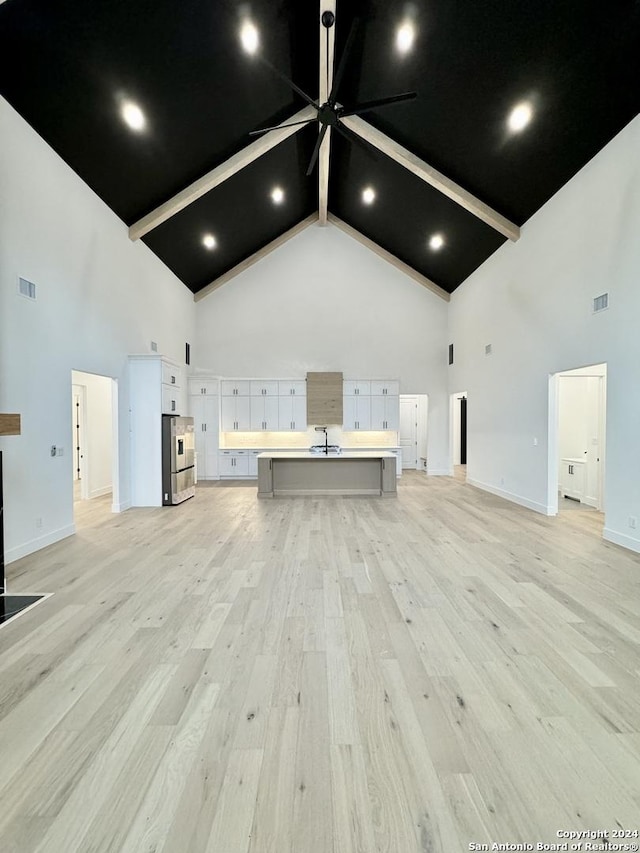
(413, 430)
(458, 434)
(577, 429)
(94, 438)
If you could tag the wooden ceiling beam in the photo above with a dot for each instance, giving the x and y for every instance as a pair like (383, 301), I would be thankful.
(327, 47)
(253, 259)
(431, 176)
(389, 258)
(220, 174)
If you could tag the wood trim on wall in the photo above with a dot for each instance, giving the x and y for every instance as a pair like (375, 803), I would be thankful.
(10, 424)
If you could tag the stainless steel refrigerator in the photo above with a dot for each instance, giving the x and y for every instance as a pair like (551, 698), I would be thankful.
(178, 446)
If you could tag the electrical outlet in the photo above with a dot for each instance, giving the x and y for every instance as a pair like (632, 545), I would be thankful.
(633, 522)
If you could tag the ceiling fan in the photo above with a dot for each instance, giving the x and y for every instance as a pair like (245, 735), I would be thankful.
(330, 113)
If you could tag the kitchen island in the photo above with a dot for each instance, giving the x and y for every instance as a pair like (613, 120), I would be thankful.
(303, 473)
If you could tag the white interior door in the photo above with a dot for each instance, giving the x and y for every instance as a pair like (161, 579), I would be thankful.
(409, 431)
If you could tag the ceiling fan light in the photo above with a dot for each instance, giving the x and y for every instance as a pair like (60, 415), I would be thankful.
(249, 37)
(209, 241)
(133, 116)
(436, 242)
(368, 195)
(520, 116)
(405, 36)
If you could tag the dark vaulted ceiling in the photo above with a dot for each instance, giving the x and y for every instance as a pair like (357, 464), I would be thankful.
(447, 163)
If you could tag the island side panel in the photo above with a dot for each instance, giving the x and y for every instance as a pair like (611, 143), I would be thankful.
(337, 476)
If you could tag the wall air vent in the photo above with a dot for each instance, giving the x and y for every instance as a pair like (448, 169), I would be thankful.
(26, 288)
(600, 303)
(487, 349)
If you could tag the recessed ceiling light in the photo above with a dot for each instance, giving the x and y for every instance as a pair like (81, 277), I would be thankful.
(436, 242)
(209, 241)
(133, 115)
(520, 116)
(249, 37)
(277, 195)
(368, 195)
(405, 35)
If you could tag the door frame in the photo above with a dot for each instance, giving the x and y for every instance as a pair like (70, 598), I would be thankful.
(553, 437)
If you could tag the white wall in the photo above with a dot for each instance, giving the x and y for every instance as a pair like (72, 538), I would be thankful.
(532, 301)
(97, 441)
(325, 302)
(99, 297)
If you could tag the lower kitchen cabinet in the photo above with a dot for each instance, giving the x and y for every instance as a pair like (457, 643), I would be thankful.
(233, 463)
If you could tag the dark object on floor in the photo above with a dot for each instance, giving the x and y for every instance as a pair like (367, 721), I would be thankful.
(11, 605)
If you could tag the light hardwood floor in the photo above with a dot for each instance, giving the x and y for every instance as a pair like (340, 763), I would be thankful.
(321, 676)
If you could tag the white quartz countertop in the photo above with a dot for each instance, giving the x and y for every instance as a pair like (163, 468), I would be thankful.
(321, 457)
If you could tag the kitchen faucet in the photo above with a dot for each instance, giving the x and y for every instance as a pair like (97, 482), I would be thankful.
(326, 438)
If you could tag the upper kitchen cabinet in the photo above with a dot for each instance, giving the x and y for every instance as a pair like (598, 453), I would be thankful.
(264, 388)
(204, 387)
(292, 388)
(235, 388)
(356, 387)
(385, 388)
(385, 412)
(235, 413)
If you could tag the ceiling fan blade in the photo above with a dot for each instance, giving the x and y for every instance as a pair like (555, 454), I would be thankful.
(289, 83)
(365, 106)
(343, 61)
(280, 126)
(316, 150)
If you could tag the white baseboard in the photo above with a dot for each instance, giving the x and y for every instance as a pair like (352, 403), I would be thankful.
(120, 507)
(19, 551)
(622, 539)
(98, 493)
(543, 509)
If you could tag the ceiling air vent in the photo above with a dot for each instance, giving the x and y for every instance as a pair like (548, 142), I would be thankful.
(600, 303)
(26, 288)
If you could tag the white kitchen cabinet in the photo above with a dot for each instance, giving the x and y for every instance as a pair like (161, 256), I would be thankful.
(149, 398)
(356, 387)
(292, 388)
(170, 400)
(572, 478)
(356, 412)
(385, 412)
(235, 388)
(206, 417)
(253, 463)
(385, 388)
(171, 373)
(204, 387)
(292, 412)
(263, 388)
(233, 463)
(264, 413)
(235, 414)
